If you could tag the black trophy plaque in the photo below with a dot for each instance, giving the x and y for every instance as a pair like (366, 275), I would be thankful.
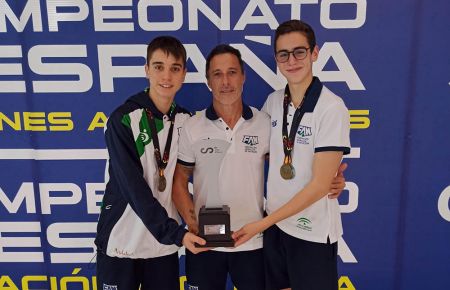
(214, 226)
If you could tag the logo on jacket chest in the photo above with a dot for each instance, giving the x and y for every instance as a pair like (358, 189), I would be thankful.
(250, 143)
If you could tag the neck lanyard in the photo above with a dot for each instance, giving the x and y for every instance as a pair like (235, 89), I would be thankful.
(287, 170)
(313, 92)
(161, 161)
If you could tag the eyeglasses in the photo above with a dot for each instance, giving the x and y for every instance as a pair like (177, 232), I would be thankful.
(299, 53)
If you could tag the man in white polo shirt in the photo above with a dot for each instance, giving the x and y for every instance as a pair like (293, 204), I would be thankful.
(224, 147)
(310, 133)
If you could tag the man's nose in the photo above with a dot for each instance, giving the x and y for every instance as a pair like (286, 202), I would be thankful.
(225, 79)
(167, 75)
(291, 59)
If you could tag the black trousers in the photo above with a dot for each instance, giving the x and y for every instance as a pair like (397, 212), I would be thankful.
(130, 274)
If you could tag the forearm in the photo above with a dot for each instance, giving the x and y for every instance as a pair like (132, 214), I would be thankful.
(181, 196)
(185, 206)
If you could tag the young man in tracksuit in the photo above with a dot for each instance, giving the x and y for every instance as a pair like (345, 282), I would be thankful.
(139, 231)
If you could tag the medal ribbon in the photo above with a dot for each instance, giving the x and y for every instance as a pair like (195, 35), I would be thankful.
(314, 90)
(161, 161)
(288, 140)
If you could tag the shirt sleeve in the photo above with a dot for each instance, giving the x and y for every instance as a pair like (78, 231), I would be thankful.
(186, 155)
(267, 107)
(333, 129)
(128, 173)
(267, 128)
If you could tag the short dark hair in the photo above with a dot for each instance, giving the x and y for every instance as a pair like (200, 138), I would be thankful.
(295, 25)
(168, 44)
(222, 49)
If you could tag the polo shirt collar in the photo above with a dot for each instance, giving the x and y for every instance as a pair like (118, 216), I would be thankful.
(247, 113)
(312, 94)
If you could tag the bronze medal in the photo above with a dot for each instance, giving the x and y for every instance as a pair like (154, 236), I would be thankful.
(287, 171)
(162, 182)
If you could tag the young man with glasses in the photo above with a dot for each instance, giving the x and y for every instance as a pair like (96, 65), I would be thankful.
(310, 134)
(139, 231)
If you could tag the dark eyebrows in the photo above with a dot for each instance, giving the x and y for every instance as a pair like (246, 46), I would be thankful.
(161, 63)
(285, 50)
(229, 69)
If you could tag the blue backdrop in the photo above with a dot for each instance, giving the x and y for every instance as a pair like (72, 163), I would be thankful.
(65, 65)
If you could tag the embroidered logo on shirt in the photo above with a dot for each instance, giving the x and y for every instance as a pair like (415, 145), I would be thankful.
(191, 287)
(304, 224)
(274, 123)
(303, 133)
(109, 287)
(251, 142)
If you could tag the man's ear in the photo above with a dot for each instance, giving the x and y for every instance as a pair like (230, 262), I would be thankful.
(146, 68)
(315, 53)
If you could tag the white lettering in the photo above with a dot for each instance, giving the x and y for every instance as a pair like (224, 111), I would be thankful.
(296, 6)
(353, 196)
(20, 242)
(443, 204)
(31, 10)
(25, 193)
(276, 81)
(11, 69)
(247, 16)
(38, 52)
(160, 26)
(199, 62)
(222, 22)
(327, 22)
(54, 232)
(345, 253)
(101, 14)
(47, 201)
(108, 72)
(92, 198)
(54, 17)
(346, 72)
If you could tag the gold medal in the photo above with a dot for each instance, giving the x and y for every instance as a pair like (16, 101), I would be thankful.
(162, 182)
(287, 171)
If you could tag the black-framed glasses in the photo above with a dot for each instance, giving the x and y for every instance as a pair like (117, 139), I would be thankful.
(299, 53)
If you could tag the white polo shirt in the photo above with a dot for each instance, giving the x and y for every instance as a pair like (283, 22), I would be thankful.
(229, 165)
(325, 126)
